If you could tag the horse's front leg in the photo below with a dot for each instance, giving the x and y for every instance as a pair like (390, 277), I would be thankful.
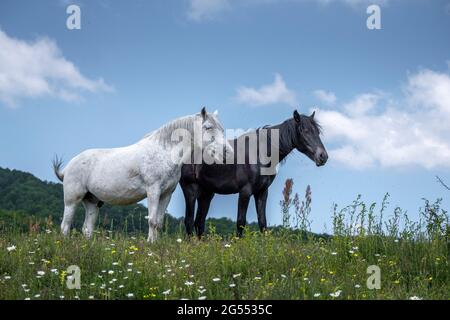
(244, 199)
(162, 207)
(260, 203)
(153, 196)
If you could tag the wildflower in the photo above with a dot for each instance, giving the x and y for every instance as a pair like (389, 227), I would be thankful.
(351, 251)
(334, 253)
(415, 298)
(232, 285)
(11, 248)
(27, 299)
(202, 298)
(323, 280)
(236, 275)
(130, 263)
(37, 295)
(216, 279)
(189, 283)
(41, 273)
(115, 263)
(61, 297)
(121, 286)
(201, 290)
(336, 294)
(316, 295)
(55, 271)
(283, 276)
(355, 248)
(31, 263)
(179, 240)
(24, 286)
(110, 272)
(227, 245)
(130, 295)
(357, 286)
(91, 297)
(257, 278)
(167, 292)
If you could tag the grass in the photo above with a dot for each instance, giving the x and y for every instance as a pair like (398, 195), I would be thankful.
(281, 264)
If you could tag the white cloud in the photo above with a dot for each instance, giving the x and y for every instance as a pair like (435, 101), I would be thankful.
(200, 10)
(362, 104)
(206, 9)
(326, 97)
(374, 131)
(274, 93)
(38, 69)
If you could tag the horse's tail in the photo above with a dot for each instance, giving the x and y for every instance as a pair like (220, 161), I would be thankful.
(57, 163)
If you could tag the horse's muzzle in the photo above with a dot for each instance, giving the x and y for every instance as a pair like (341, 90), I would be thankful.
(321, 157)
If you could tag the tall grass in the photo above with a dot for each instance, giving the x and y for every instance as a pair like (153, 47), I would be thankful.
(280, 264)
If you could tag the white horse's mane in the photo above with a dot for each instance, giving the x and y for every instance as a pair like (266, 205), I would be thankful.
(164, 133)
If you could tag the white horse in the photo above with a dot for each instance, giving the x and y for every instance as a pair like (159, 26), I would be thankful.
(150, 169)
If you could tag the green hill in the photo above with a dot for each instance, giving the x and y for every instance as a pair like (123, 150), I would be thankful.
(26, 200)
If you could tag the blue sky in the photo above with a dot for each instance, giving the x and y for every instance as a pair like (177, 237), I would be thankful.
(383, 96)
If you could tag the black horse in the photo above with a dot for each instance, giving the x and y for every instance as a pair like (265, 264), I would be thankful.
(201, 181)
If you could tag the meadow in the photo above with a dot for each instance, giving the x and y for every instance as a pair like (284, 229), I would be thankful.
(283, 263)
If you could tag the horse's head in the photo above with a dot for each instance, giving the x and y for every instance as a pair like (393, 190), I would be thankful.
(213, 136)
(307, 138)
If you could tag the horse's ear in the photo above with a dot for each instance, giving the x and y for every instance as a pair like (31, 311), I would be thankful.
(296, 116)
(203, 113)
(313, 114)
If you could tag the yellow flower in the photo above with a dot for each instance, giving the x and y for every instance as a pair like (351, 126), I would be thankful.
(331, 272)
(113, 251)
(430, 278)
(397, 281)
(323, 280)
(62, 276)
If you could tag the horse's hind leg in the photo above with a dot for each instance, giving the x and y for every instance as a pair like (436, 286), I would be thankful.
(190, 192)
(90, 218)
(73, 194)
(69, 213)
(204, 201)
